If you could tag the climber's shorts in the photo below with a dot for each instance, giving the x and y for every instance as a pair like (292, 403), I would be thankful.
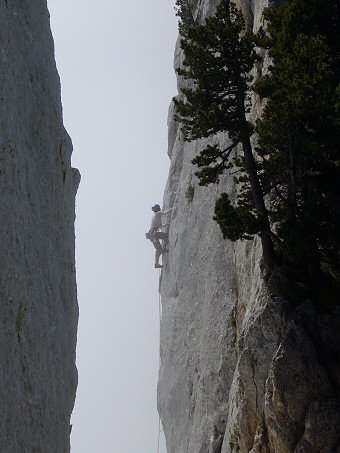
(161, 235)
(155, 236)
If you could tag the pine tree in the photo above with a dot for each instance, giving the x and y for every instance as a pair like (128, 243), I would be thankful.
(299, 134)
(218, 58)
(298, 164)
(184, 10)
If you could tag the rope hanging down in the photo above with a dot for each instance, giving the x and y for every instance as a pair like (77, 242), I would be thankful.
(160, 429)
(159, 433)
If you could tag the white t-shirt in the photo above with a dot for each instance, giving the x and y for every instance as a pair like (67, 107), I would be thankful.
(156, 222)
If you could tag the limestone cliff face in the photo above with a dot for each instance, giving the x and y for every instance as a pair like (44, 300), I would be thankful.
(38, 307)
(241, 369)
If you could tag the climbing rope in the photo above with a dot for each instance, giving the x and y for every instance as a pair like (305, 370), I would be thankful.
(160, 313)
(160, 429)
(159, 433)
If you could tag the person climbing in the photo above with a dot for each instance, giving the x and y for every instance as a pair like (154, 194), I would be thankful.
(155, 235)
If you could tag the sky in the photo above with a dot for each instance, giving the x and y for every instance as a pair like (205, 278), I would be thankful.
(115, 62)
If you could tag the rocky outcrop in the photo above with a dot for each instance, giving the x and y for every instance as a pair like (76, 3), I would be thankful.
(38, 310)
(242, 370)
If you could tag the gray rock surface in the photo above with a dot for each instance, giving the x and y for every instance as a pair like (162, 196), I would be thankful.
(241, 369)
(38, 307)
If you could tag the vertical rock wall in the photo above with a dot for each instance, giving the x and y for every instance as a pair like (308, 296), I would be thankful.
(38, 307)
(241, 369)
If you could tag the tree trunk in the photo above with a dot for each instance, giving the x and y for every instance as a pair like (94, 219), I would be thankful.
(269, 255)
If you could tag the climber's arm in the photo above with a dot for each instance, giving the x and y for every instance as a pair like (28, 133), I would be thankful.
(167, 211)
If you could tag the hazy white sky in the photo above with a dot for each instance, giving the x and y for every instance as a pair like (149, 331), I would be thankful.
(115, 62)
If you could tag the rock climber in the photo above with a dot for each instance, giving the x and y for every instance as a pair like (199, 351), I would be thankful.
(155, 235)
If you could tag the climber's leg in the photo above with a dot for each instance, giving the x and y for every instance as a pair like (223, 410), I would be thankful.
(165, 238)
(158, 253)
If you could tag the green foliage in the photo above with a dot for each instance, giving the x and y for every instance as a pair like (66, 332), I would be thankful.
(261, 428)
(240, 222)
(337, 104)
(189, 195)
(218, 58)
(233, 443)
(295, 17)
(233, 321)
(265, 86)
(213, 162)
(299, 135)
(184, 12)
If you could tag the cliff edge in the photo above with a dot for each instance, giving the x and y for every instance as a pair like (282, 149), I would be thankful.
(38, 311)
(242, 370)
